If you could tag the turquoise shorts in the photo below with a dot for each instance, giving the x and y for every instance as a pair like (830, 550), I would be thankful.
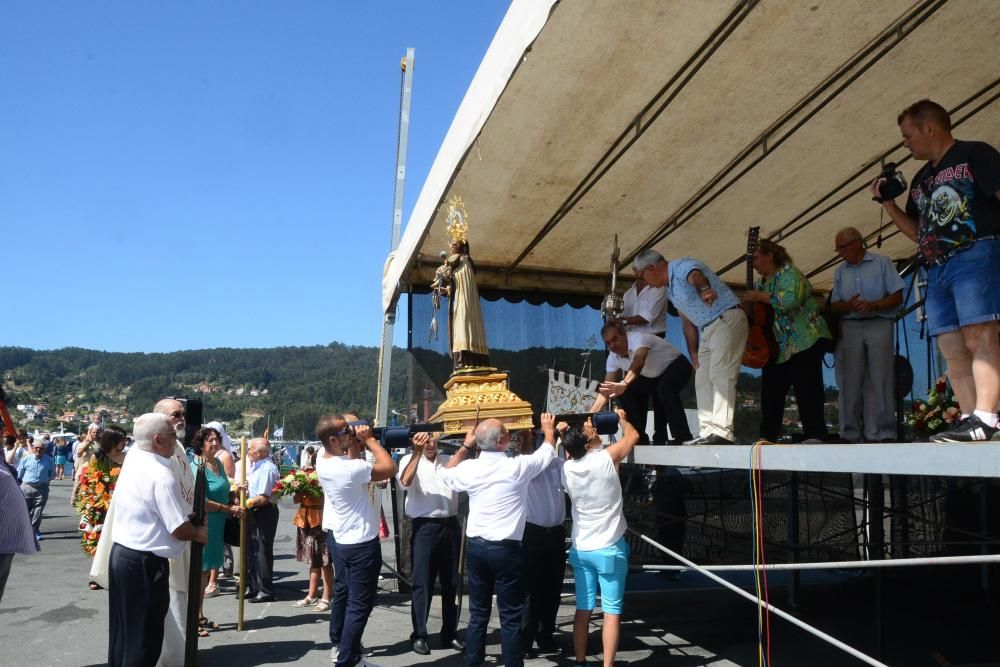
(606, 568)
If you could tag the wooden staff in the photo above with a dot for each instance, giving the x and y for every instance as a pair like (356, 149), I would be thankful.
(243, 533)
(195, 589)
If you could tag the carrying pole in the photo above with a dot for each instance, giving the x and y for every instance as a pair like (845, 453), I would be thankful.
(241, 588)
(388, 324)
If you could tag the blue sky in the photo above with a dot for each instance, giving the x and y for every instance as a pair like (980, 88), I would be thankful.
(188, 175)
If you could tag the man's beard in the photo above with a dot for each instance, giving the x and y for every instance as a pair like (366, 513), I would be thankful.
(180, 431)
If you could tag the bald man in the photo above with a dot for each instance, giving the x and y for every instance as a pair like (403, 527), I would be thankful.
(263, 476)
(497, 488)
(172, 652)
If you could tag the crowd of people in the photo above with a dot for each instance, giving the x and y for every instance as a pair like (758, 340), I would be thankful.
(135, 498)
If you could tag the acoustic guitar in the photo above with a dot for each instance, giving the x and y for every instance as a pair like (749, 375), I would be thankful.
(761, 347)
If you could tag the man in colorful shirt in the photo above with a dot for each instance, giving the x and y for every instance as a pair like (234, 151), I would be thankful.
(953, 213)
(715, 329)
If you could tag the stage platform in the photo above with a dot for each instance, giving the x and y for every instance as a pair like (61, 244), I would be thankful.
(916, 458)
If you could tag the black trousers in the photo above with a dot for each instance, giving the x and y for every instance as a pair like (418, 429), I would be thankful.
(138, 598)
(544, 569)
(804, 372)
(494, 566)
(434, 551)
(265, 525)
(667, 387)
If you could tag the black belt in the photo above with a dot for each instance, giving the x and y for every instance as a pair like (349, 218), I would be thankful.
(483, 540)
(543, 529)
(433, 519)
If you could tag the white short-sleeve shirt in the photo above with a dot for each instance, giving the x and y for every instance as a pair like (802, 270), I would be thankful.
(426, 496)
(350, 512)
(149, 506)
(661, 354)
(593, 487)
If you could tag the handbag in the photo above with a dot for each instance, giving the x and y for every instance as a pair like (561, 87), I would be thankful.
(231, 531)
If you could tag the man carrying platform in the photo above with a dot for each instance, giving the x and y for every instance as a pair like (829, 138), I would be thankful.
(640, 365)
(715, 329)
(435, 541)
(867, 290)
(953, 213)
(496, 485)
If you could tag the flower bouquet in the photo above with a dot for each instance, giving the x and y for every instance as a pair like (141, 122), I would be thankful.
(305, 482)
(92, 501)
(938, 413)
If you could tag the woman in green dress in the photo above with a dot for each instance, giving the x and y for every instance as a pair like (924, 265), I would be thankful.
(218, 505)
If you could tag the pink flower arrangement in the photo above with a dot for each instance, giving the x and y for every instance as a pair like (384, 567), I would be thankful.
(938, 413)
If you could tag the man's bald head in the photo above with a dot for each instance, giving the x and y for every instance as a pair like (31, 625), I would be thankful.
(174, 410)
(259, 448)
(491, 436)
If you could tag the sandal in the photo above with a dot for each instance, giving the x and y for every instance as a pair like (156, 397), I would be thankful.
(305, 602)
(202, 632)
(322, 605)
(94, 586)
(206, 624)
(211, 590)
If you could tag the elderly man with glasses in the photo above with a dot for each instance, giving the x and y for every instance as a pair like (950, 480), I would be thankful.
(867, 290)
(715, 329)
(34, 472)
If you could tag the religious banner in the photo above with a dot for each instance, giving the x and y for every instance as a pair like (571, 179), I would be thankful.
(568, 393)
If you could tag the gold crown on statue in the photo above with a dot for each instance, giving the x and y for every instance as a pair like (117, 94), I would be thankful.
(458, 220)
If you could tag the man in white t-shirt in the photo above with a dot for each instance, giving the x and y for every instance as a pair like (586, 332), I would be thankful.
(352, 524)
(639, 365)
(151, 527)
(435, 541)
(496, 486)
(645, 311)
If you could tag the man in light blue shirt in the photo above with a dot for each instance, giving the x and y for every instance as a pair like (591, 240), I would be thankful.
(34, 472)
(867, 291)
(263, 476)
(715, 329)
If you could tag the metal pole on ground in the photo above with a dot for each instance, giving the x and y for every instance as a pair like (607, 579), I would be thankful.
(241, 587)
(385, 350)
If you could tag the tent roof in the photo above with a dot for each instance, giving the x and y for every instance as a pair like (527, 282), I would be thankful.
(677, 125)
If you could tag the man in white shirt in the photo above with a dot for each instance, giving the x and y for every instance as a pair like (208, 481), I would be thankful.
(151, 527)
(347, 480)
(640, 365)
(645, 311)
(544, 546)
(435, 541)
(496, 486)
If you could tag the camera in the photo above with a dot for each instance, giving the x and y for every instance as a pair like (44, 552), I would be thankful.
(893, 184)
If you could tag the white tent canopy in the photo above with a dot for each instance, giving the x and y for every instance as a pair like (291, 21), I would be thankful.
(679, 124)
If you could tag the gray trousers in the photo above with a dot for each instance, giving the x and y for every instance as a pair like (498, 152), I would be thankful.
(36, 497)
(866, 378)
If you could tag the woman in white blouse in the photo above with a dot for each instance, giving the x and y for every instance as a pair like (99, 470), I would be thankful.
(599, 554)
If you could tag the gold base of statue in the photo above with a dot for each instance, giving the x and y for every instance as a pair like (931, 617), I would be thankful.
(475, 394)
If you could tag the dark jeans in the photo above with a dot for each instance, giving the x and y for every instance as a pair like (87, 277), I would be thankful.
(434, 549)
(357, 567)
(667, 387)
(265, 525)
(804, 372)
(544, 569)
(138, 598)
(498, 565)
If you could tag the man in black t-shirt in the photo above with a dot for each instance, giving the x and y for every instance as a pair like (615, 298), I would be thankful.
(953, 213)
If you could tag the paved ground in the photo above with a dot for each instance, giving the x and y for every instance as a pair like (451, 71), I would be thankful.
(49, 617)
